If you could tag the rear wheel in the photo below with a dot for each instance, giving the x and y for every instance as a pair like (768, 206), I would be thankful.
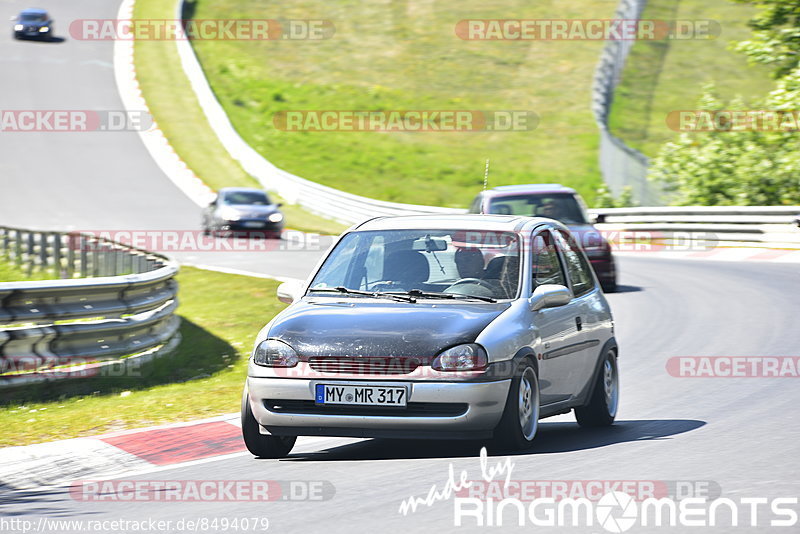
(601, 409)
(520, 421)
(261, 445)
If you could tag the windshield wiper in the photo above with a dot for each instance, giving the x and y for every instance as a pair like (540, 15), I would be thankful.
(342, 289)
(418, 293)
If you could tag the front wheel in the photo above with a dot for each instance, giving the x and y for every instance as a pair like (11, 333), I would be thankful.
(601, 409)
(261, 445)
(520, 421)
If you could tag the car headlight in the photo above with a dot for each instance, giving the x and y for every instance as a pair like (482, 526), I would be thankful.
(44, 29)
(274, 353)
(275, 217)
(229, 214)
(18, 27)
(466, 357)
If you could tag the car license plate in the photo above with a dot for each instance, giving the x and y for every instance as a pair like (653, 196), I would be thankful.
(253, 224)
(360, 395)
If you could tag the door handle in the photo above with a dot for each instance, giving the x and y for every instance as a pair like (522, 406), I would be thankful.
(579, 323)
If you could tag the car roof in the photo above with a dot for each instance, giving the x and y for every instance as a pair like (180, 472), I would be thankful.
(529, 188)
(468, 222)
(33, 11)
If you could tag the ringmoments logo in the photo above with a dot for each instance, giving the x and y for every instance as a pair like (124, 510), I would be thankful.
(624, 504)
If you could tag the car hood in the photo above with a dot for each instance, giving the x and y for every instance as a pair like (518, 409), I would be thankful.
(360, 328)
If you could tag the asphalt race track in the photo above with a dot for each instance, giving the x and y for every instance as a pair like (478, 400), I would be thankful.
(739, 436)
(93, 181)
(734, 435)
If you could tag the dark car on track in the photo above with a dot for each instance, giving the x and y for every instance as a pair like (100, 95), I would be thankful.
(33, 24)
(243, 211)
(555, 202)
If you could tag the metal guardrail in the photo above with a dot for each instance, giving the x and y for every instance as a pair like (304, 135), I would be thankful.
(121, 305)
(771, 226)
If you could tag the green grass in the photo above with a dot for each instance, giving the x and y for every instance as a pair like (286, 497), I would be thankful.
(202, 378)
(405, 55)
(11, 272)
(662, 76)
(174, 106)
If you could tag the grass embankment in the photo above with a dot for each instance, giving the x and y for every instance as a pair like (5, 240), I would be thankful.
(174, 106)
(406, 55)
(202, 378)
(662, 76)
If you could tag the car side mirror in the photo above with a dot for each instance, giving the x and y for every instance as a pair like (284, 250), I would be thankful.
(549, 296)
(797, 221)
(290, 291)
(599, 218)
(279, 204)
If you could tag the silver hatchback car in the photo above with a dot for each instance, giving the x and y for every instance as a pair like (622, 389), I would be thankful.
(463, 326)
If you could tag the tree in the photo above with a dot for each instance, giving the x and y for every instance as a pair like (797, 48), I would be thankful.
(776, 35)
(755, 166)
(735, 167)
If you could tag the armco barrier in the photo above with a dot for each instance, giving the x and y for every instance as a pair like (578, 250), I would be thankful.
(124, 308)
(754, 226)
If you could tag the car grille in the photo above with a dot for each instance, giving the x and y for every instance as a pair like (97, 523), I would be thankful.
(364, 366)
(413, 409)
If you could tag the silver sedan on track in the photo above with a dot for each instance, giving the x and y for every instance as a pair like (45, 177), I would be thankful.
(466, 327)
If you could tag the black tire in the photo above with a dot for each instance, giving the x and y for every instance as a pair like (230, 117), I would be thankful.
(260, 445)
(609, 286)
(601, 408)
(511, 433)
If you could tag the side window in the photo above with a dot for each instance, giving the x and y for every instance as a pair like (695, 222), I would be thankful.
(476, 205)
(546, 266)
(579, 270)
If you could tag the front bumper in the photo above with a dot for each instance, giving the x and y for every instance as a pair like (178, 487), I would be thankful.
(252, 228)
(468, 410)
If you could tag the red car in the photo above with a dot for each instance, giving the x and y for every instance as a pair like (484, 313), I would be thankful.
(556, 202)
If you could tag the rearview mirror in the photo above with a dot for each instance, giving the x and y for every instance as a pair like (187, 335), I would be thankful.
(290, 291)
(549, 296)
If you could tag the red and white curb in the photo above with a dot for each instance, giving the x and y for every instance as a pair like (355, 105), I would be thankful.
(154, 139)
(57, 463)
(722, 254)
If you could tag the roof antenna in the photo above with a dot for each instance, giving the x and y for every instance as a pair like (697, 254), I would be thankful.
(486, 175)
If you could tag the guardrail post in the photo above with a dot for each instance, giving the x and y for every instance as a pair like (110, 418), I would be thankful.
(6, 241)
(70, 272)
(43, 251)
(30, 256)
(95, 244)
(57, 255)
(17, 248)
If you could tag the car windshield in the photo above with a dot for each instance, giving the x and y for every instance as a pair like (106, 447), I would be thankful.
(32, 17)
(450, 263)
(564, 207)
(253, 198)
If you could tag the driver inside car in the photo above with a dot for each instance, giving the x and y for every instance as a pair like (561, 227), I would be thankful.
(469, 262)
